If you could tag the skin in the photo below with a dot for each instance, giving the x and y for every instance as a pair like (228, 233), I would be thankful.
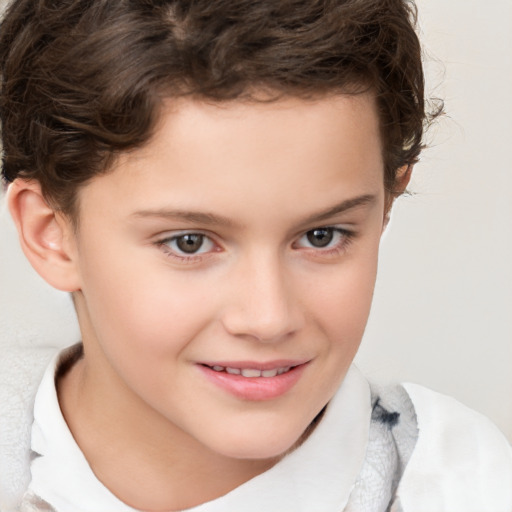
(255, 179)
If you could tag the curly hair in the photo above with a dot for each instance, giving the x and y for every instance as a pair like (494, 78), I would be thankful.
(82, 80)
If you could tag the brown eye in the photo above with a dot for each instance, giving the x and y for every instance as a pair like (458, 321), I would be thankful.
(320, 237)
(189, 243)
(186, 247)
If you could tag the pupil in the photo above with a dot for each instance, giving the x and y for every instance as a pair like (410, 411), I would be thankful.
(190, 243)
(321, 237)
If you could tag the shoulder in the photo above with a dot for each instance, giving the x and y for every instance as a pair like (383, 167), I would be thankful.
(21, 370)
(461, 461)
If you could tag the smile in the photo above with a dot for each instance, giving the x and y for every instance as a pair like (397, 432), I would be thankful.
(243, 381)
(252, 373)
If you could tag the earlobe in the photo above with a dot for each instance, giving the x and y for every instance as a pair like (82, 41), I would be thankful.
(45, 235)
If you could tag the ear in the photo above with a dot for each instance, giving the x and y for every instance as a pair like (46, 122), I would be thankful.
(46, 235)
(403, 176)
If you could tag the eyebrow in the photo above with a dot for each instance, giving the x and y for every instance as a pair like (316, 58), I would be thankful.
(188, 216)
(348, 204)
(211, 219)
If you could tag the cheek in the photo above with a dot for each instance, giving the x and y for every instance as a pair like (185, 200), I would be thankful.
(344, 293)
(137, 306)
(343, 304)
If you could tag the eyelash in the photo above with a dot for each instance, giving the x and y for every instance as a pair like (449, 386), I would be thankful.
(164, 244)
(345, 237)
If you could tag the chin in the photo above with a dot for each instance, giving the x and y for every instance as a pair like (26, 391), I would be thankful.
(260, 444)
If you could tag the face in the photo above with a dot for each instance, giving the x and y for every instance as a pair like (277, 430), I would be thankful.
(227, 268)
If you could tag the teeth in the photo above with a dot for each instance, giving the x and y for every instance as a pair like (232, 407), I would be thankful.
(251, 372)
(247, 372)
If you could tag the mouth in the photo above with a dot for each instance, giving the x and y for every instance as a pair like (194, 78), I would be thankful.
(252, 373)
(255, 381)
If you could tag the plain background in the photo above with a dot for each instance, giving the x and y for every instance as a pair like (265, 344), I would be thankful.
(442, 313)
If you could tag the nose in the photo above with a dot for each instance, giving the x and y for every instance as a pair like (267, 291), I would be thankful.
(262, 304)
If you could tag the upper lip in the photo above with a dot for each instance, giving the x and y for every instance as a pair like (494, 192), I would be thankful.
(257, 365)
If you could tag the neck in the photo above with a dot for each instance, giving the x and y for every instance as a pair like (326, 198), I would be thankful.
(145, 460)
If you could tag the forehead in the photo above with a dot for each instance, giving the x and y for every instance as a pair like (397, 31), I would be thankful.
(256, 153)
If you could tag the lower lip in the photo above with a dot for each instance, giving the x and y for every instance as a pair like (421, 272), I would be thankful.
(255, 388)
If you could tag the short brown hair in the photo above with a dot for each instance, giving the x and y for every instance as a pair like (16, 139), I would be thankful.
(82, 80)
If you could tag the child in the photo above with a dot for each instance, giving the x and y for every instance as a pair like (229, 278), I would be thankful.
(210, 181)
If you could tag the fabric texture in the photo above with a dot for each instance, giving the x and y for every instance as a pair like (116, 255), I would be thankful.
(21, 370)
(393, 436)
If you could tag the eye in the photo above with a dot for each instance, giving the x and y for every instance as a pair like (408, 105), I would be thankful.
(327, 238)
(320, 237)
(187, 244)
